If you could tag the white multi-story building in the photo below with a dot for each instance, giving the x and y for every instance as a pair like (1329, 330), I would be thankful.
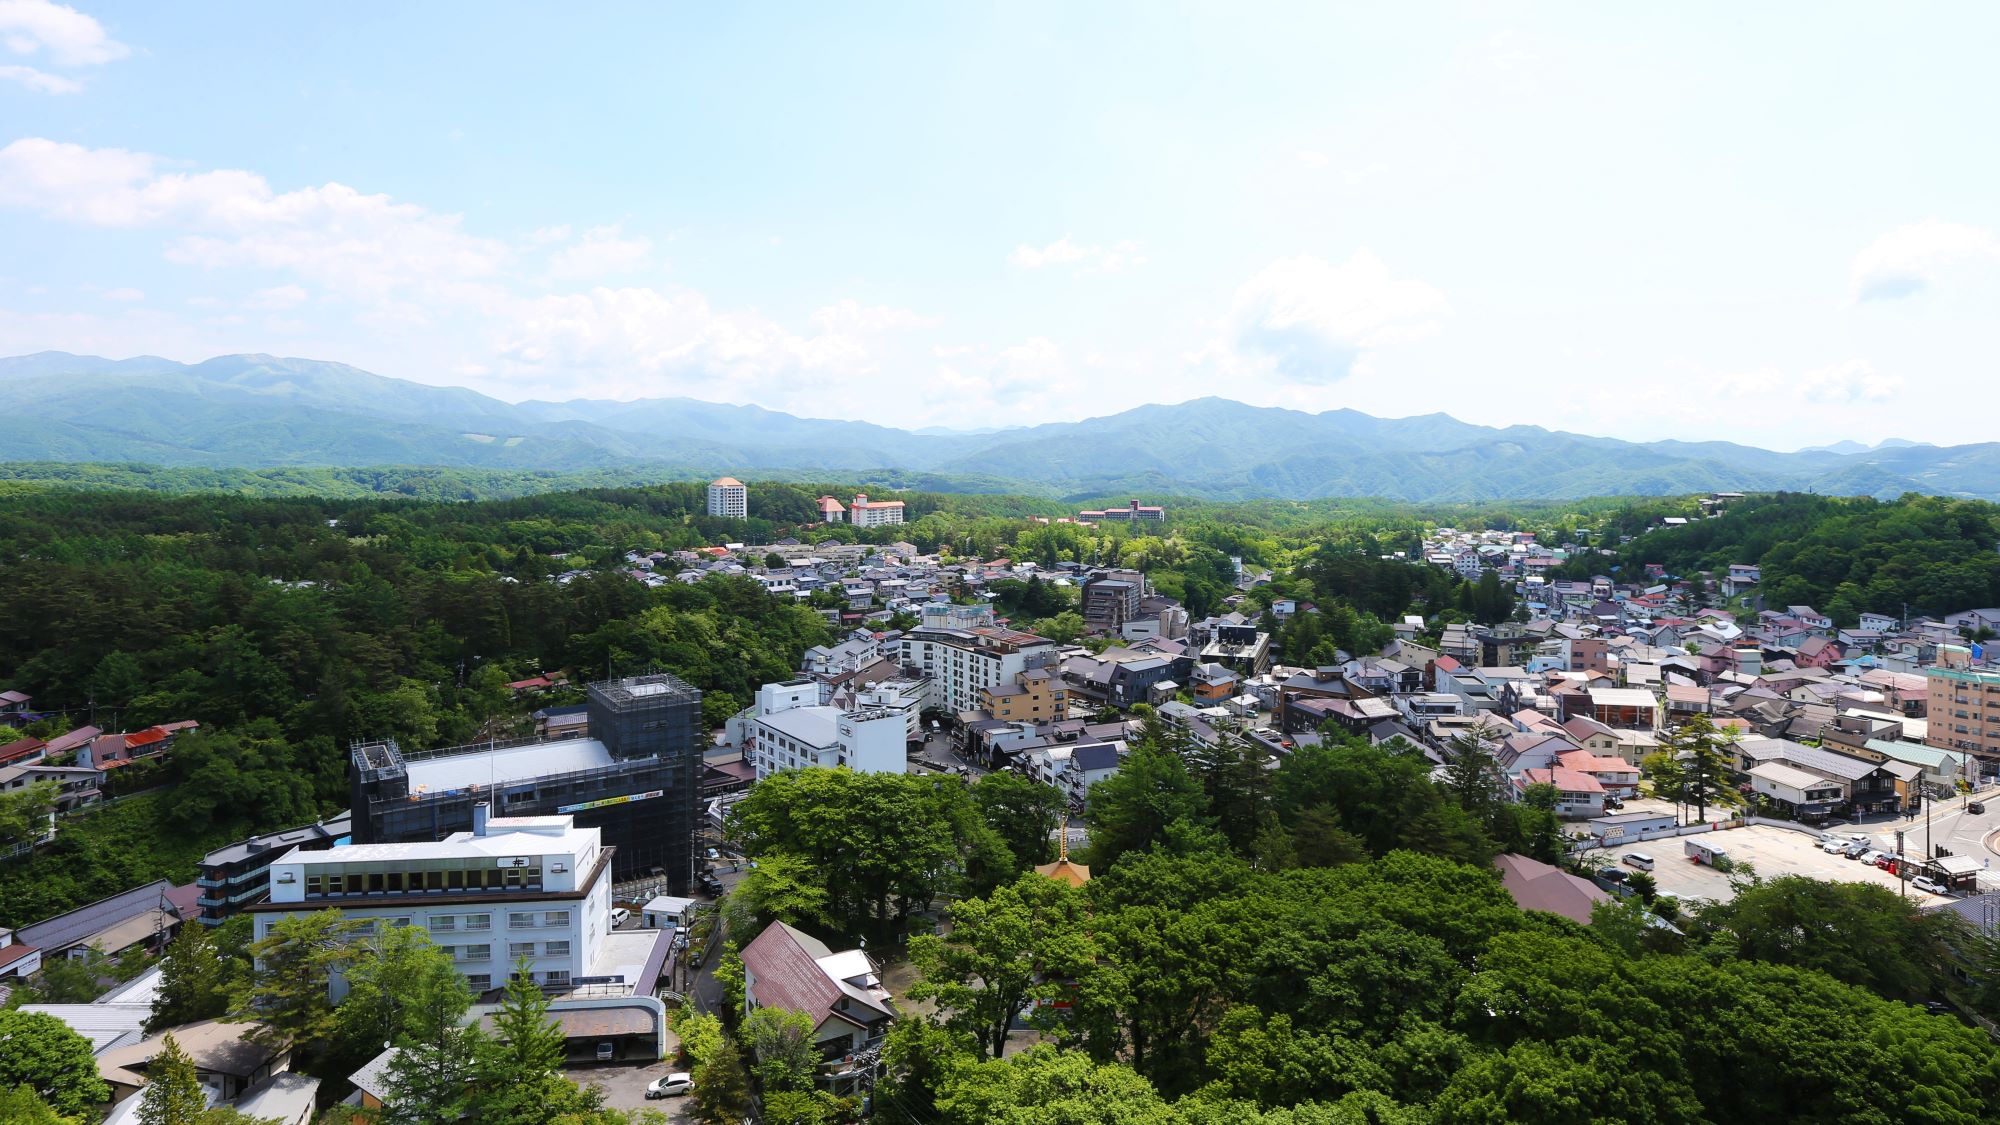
(531, 887)
(874, 513)
(962, 663)
(794, 730)
(729, 499)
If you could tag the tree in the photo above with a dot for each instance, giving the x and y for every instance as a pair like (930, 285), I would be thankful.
(1064, 628)
(395, 974)
(429, 1079)
(1131, 810)
(1859, 933)
(20, 1106)
(1042, 1084)
(1020, 945)
(24, 812)
(516, 1070)
(1022, 811)
(191, 981)
(721, 1087)
(40, 1052)
(291, 989)
(1704, 769)
(173, 1094)
(783, 1055)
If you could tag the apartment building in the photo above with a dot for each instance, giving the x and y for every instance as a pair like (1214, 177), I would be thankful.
(1037, 695)
(962, 663)
(728, 499)
(1110, 598)
(235, 876)
(1964, 714)
(1132, 512)
(874, 513)
(530, 887)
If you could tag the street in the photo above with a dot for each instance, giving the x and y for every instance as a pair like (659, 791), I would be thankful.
(939, 751)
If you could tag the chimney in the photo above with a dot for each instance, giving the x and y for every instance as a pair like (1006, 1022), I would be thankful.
(480, 812)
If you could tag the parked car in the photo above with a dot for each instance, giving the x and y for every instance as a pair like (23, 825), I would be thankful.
(1937, 1007)
(672, 1085)
(714, 854)
(1874, 858)
(1640, 860)
(1976, 808)
(619, 917)
(606, 1050)
(1929, 885)
(1834, 846)
(1886, 862)
(1611, 874)
(1857, 849)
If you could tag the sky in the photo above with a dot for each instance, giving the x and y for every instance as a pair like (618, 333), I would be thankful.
(1763, 223)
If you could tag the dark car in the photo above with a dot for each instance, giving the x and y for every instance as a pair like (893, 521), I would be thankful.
(1937, 1007)
(1611, 874)
(1976, 808)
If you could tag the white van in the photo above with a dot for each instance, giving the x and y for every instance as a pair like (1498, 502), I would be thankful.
(1640, 860)
(619, 916)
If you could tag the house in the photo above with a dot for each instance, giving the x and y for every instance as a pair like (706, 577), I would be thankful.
(228, 1059)
(1089, 765)
(1579, 796)
(1798, 791)
(148, 915)
(841, 993)
(1535, 885)
(14, 703)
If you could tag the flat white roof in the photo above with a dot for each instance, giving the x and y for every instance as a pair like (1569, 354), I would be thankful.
(814, 726)
(513, 763)
(572, 842)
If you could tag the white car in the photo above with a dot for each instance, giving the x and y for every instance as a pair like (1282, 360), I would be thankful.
(1929, 885)
(672, 1085)
(619, 917)
(1834, 846)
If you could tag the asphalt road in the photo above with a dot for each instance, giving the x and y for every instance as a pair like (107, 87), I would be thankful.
(939, 751)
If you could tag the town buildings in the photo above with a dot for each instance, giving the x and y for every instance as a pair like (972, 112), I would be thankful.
(728, 499)
(1133, 512)
(1964, 712)
(961, 664)
(841, 993)
(795, 729)
(233, 877)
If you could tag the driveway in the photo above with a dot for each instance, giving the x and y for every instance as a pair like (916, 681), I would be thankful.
(625, 1088)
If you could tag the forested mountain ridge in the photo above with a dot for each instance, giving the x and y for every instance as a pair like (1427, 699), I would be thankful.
(1842, 555)
(263, 411)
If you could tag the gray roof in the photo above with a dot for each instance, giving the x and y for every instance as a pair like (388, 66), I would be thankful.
(275, 844)
(508, 764)
(1099, 757)
(814, 726)
(1827, 762)
(66, 930)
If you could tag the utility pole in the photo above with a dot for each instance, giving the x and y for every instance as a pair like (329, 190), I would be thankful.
(1902, 875)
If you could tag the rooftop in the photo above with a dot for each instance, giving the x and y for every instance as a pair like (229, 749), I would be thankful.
(499, 766)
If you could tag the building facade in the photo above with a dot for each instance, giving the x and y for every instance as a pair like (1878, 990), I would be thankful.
(233, 877)
(794, 730)
(962, 663)
(1037, 695)
(1964, 714)
(637, 778)
(728, 499)
(874, 513)
(534, 888)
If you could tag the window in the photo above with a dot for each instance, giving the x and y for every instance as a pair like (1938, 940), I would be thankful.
(478, 953)
(444, 923)
(556, 978)
(557, 949)
(479, 921)
(555, 918)
(519, 949)
(479, 982)
(520, 921)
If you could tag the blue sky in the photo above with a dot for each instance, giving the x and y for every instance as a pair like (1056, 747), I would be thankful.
(1773, 226)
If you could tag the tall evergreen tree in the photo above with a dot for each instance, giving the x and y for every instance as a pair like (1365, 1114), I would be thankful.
(173, 1094)
(191, 981)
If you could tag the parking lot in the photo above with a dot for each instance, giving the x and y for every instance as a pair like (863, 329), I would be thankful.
(1774, 852)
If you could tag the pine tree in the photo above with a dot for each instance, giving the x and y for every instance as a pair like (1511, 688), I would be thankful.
(173, 1095)
(191, 985)
(526, 1043)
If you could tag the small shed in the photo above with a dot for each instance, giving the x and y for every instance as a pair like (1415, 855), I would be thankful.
(667, 912)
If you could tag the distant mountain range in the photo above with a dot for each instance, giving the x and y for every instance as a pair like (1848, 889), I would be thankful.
(262, 411)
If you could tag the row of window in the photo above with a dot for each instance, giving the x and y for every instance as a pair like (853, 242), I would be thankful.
(403, 882)
(481, 982)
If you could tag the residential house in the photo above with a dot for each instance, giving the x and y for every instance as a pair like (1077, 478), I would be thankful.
(841, 993)
(1535, 885)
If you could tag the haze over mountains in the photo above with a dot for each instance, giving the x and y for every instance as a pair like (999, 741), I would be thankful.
(261, 411)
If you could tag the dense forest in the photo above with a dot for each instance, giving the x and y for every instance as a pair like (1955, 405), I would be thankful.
(1844, 555)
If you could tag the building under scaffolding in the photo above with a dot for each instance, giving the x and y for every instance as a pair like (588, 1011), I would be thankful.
(638, 778)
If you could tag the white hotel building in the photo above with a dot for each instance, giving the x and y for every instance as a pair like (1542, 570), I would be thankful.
(533, 887)
(793, 729)
(962, 663)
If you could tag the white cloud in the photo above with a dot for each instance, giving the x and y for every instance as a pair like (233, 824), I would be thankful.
(125, 293)
(1907, 260)
(1089, 259)
(1312, 159)
(278, 297)
(1855, 381)
(367, 247)
(40, 80)
(639, 341)
(603, 252)
(1310, 321)
(70, 38)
